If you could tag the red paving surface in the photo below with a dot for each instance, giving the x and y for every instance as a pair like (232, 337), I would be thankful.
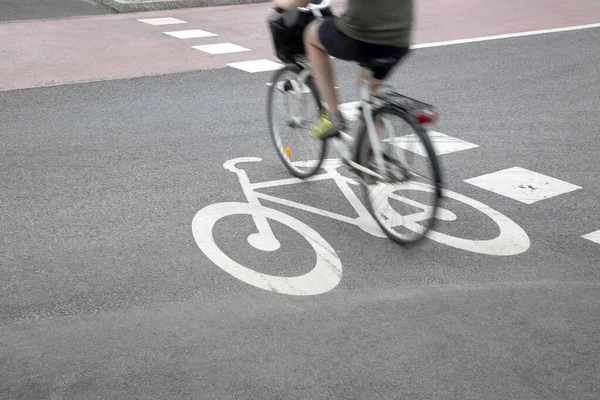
(84, 49)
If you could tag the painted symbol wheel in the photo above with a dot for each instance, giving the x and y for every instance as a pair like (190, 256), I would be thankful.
(325, 275)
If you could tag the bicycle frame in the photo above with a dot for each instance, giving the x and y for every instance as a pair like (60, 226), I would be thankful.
(345, 144)
(367, 113)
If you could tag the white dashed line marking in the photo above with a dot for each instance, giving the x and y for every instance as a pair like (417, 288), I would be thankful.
(523, 185)
(256, 66)
(443, 144)
(190, 34)
(162, 21)
(221, 48)
(594, 237)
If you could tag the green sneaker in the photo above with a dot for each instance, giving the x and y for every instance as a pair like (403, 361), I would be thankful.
(327, 127)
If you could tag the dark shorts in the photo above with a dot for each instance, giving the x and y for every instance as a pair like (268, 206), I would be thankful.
(340, 46)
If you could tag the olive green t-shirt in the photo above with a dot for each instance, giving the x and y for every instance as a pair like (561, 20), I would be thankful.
(386, 22)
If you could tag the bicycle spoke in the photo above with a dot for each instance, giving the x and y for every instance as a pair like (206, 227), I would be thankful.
(293, 113)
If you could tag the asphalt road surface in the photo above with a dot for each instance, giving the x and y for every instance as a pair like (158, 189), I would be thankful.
(107, 295)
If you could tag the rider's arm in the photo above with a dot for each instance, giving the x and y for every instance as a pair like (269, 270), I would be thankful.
(290, 4)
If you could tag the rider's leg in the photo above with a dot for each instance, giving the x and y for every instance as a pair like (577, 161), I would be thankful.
(364, 77)
(322, 69)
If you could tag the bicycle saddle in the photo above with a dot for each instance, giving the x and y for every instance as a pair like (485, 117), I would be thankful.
(386, 62)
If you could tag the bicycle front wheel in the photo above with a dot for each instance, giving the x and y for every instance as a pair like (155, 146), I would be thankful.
(405, 202)
(293, 110)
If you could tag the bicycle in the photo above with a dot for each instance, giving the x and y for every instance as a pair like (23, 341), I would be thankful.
(364, 154)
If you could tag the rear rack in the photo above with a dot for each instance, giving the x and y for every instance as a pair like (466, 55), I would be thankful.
(423, 112)
(406, 103)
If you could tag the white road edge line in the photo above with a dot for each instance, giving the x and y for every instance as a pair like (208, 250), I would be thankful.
(504, 36)
(485, 38)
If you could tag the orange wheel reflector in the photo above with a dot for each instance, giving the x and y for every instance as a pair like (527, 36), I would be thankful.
(288, 151)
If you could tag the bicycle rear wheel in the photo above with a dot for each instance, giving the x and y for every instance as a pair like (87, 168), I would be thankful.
(405, 203)
(293, 109)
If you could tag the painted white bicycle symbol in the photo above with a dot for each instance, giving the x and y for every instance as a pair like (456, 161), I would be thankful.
(327, 272)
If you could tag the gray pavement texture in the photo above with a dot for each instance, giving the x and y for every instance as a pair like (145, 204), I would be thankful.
(152, 5)
(12, 10)
(106, 295)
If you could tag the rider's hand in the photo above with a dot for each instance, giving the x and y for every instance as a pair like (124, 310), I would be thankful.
(290, 4)
(279, 5)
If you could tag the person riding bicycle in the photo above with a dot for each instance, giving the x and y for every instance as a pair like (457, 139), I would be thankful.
(368, 30)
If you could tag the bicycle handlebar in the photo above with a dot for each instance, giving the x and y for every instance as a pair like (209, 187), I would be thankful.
(316, 7)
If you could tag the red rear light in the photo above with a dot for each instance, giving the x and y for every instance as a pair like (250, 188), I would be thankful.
(426, 117)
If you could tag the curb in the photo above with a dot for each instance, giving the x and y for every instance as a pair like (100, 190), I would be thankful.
(125, 6)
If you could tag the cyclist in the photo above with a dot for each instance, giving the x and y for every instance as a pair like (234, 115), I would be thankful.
(369, 29)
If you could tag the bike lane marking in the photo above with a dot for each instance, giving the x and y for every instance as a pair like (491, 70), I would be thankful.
(190, 34)
(593, 237)
(221, 48)
(325, 276)
(442, 144)
(253, 66)
(162, 21)
(327, 272)
(522, 185)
